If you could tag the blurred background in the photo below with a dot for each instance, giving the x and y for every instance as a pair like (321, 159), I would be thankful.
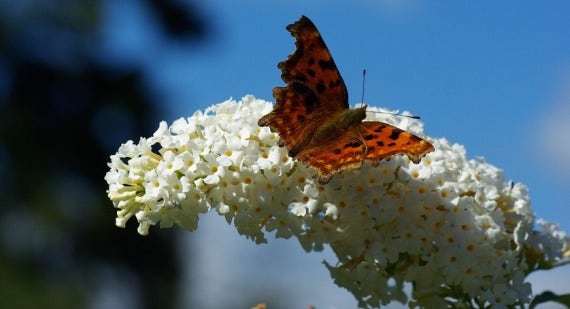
(78, 78)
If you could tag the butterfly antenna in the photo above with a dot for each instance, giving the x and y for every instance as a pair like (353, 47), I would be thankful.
(363, 82)
(400, 115)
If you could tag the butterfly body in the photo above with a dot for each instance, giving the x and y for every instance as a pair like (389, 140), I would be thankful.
(313, 118)
(339, 124)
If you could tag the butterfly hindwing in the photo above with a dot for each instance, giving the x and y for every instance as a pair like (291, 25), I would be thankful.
(295, 116)
(345, 151)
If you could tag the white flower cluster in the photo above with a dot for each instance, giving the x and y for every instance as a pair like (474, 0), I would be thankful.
(453, 227)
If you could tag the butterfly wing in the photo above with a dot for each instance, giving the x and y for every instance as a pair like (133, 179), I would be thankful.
(383, 141)
(314, 92)
(369, 141)
(313, 66)
(342, 151)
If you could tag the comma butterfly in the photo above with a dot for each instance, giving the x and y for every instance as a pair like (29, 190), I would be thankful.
(313, 118)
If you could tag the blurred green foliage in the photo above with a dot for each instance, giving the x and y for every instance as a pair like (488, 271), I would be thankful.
(64, 109)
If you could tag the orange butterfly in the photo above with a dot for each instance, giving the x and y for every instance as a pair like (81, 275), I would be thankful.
(314, 121)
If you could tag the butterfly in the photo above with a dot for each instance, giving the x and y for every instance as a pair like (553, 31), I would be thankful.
(313, 118)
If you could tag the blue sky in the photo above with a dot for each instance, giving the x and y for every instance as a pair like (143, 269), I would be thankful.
(493, 76)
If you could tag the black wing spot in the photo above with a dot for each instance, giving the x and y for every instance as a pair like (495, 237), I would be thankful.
(392, 144)
(310, 101)
(311, 73)
(327, 65)
(354, 144)
(321, 87)
(334, 84)
(368, 137)
(336, 151)
(380, 128)
(395, 134)
(380, 143)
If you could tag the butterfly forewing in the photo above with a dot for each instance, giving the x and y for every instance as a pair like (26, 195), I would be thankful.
(312, 65)
(383, 140)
